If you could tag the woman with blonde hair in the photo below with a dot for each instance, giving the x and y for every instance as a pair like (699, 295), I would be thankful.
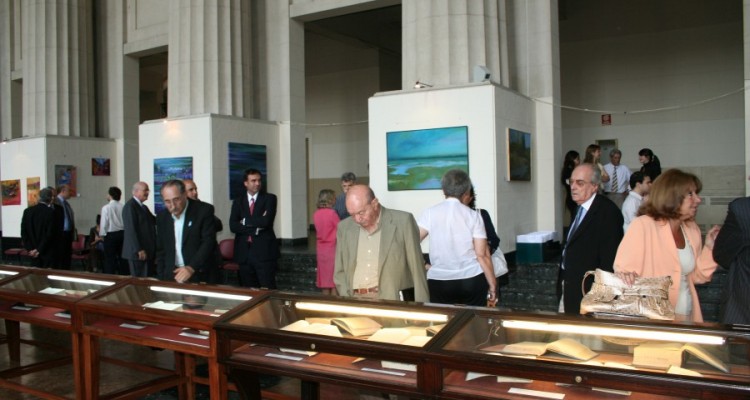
(326, 221)
(665, 240)
(593, 156)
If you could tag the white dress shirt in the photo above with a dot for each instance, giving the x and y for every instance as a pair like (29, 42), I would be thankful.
(111, 218)
(623, 178)
(630, 208)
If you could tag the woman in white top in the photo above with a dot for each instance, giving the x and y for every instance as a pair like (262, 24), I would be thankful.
(461, 270)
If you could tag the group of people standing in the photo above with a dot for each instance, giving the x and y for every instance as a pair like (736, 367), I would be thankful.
(48, 228)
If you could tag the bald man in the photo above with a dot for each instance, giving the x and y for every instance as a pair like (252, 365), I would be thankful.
(139, 246)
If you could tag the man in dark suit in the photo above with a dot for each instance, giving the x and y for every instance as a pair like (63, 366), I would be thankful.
(38, 230)
(69, 233)
(139, 246)
(732, 251)
(255, 246)
(185, 237)
(594, 236)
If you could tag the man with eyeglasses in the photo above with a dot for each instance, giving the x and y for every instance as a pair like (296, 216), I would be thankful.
(593, 238)
(377, 251)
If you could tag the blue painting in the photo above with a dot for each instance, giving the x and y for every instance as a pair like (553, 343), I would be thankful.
(166, 169)
(519, 155)
(241, 157)
(417, 160)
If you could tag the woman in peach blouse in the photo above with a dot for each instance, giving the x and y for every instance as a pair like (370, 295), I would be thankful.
(665, 240)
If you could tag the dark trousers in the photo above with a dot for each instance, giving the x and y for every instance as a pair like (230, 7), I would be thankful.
(113, 261)
(469, 291)
(65, 251)
(140, 268)
(258, 274)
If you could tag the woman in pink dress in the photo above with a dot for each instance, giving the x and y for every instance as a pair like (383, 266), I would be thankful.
(326, 220)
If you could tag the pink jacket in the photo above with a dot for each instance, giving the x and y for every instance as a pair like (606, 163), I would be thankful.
(648, 249)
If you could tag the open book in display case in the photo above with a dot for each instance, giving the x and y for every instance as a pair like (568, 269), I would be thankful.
(374, 345)
(516, 355)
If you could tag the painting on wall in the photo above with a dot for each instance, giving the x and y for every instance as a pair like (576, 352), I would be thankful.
(100, 166)
(11, 190)
(241, 157)
(32, 191)
(166, 169)
(67, 175)
(418, 159)
(519, 155)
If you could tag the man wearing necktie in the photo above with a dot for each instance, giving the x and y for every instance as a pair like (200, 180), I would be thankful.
(69, 234)
(592, 240)
(619, 178)
(251, 220)
(139, 246)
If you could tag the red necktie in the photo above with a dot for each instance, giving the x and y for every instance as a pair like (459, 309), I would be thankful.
(252, 207)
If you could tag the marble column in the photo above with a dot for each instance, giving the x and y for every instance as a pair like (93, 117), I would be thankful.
(58, 73)
(209, 58)
(443, 40)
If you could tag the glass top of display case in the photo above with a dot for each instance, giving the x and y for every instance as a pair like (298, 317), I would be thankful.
(62, 284)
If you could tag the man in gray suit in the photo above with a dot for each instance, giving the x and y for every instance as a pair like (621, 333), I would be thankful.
(732, 251)
(139, 247)
(377, 251)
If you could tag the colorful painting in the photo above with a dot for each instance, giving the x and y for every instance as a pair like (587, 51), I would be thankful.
(519, 155)
(166, 169)
(100, 166)
(241, 157)
(11, 190)
(32, 191)
(67, 175)
(417, 160)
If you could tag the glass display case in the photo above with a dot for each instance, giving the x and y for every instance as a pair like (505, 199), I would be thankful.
(373, 345)
(552, 356)
(161, 315)
(45, 297)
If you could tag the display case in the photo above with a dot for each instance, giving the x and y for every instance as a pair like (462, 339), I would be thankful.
(377, 346)
(160, 315)
(488, 353)
(45, 297)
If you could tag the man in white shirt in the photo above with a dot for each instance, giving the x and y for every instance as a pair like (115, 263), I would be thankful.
(619, 176)
(640, 185)
(112, 230)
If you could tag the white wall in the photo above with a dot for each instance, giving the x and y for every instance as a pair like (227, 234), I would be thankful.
(36, 157)
(487, 111)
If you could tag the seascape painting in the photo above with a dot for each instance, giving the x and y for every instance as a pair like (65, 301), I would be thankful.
(166, 169)
(519, 155)
(418, 159)
(241, 157)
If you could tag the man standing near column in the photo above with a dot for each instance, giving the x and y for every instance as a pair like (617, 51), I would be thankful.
(69, 234)
(139, 245)
(255, 246)
(37, 230)
(619, 177)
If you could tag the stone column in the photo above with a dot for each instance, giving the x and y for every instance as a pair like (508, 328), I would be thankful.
(209, 58)
(58, 74)
(443, 40)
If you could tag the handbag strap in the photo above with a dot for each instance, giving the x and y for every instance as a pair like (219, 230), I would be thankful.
(583, 281)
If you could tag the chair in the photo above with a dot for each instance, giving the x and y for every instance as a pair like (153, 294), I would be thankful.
(79, 251)
(15, 253)
(226, 248)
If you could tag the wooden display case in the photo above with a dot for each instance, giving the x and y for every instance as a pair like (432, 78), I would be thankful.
(160, 315)
(377, 346)
(45, 297)
(489, 353)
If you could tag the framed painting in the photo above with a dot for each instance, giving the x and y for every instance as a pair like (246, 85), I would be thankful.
(100, 166)
(519, 155)
(67, 175)
(11, 190)
(166, 169)
(418, 159)
(33, 185)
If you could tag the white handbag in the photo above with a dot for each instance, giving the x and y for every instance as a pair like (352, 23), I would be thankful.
(498, 263)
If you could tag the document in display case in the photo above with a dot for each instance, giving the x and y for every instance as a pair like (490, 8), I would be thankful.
(374, 345)
(161, 315)
(552, 355)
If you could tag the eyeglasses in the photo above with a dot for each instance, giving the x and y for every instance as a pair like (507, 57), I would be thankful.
(579, 182)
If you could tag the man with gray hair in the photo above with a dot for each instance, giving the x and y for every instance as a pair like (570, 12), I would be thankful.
(461, 269)
(593, 238)
(616, 187)
(348, 179)
(38, 230)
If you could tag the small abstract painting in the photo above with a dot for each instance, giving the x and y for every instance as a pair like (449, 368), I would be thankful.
(100, 166)
(519, 155)
(67, 175)
(166, 169)
(33, 186)
(418, 159)
(241, 157)
(11, 191)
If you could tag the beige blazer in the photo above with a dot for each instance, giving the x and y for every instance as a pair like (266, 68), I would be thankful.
(400, 262)
(648, 249)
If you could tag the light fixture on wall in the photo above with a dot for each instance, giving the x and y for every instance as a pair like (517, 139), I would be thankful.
(421, 85)
(480, 74)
